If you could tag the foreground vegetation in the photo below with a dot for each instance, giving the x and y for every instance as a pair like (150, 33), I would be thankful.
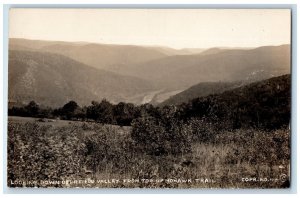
(39, 154)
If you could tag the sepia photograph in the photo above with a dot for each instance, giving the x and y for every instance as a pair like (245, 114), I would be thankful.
(149, 98)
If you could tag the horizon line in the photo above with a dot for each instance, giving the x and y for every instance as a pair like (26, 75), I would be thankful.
(153, 46)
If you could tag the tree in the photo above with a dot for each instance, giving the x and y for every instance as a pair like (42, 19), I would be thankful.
(80, 113)
(124, 113)
(101, 112)
(32, 109)
(45, 112)
(69, 109)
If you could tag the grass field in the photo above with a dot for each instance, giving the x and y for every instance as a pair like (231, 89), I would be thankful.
(56, 153)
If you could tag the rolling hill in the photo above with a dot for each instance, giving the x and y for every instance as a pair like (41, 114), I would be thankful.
(101, 56)
(172, 69)
(183, 71)
(160, 72)
(200, 90)
(52, 79)
(263, 104)
(172, 52)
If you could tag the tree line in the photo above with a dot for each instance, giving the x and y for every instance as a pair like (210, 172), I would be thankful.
(102, 112)
(252, 107)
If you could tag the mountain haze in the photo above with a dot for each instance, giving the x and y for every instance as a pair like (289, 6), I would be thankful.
(183, 71)
(53, 72)
(52, 79)
(101, 56)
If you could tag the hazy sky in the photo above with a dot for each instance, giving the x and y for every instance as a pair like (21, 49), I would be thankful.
(177, 28)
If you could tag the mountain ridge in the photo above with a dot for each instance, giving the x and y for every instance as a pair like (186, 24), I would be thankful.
(183, 71)
(263, 104)
(162, 76)
(55, 79)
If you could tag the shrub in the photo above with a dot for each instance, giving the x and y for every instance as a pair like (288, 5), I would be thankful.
(36, 153)
(156, 137)
(201, 130)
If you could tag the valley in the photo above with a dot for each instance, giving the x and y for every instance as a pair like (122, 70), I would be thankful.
(87, 72)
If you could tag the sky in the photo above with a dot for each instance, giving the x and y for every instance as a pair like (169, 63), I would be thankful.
(176, 28)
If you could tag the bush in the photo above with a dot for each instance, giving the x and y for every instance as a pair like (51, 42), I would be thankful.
(201, 130)
(160, 138)
(37, 153)
(107, 148)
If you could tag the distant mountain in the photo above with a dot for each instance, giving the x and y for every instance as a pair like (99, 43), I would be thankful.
(182, 71)
(27, 44)
(101, 56)
(214, 50)
(200, 90)
(167, 71)
(172, 69)
(265, 104)
(185, 51)
(52, 79)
